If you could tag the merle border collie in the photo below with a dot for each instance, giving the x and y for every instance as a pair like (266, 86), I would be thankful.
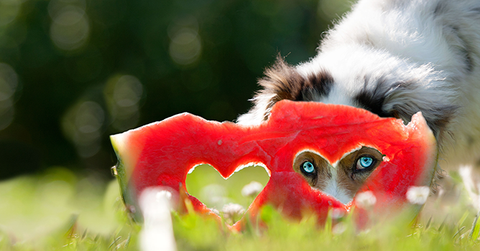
(393, 58)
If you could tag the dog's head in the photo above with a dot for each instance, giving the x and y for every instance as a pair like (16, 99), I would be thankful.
(361, 77)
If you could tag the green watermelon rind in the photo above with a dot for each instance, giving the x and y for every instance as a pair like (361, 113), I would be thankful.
(123, 177)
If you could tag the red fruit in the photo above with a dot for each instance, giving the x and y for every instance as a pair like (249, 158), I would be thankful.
(162, 154)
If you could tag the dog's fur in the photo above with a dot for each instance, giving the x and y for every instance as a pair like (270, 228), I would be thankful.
(395, 58)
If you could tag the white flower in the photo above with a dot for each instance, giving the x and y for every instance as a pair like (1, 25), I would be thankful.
(215, 211)
(418, 195)
(232, 211)
(214, 195)
(365, 199)
(252, 189)
(157, 231)
(337, 213)
(339, 228)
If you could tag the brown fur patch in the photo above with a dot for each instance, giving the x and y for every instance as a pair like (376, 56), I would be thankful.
(283, 81)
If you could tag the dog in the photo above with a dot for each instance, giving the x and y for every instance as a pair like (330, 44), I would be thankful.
(393, 58)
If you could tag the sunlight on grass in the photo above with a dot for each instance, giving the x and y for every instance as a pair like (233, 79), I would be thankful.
(61, 210)
(36, 210)
(211, 188)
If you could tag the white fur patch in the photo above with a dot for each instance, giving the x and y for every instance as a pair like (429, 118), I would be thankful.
(333, 189)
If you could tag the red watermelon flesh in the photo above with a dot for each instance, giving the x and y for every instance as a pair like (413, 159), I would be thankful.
(162, 154)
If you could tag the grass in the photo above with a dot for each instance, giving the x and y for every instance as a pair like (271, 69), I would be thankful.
(59, 210)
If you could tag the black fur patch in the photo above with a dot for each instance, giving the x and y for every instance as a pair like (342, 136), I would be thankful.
(439, 8)
(465, 51)
(469, 63)
(318, 84)
(476, 10)
(285, 82)
(444, 116)
(373, 99)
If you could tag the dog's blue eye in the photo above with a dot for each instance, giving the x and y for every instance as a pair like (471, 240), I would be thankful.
(364, 162)
(308, 167)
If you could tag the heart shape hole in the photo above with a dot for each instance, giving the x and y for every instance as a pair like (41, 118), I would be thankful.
(225, 196)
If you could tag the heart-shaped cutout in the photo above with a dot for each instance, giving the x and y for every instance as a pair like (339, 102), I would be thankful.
(162, 153)
(228, 197)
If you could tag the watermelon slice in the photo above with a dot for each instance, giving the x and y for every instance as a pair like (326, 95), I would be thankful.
(163, 153)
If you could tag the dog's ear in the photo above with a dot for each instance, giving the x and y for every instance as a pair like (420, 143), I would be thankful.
(405, 98)
(283, 81)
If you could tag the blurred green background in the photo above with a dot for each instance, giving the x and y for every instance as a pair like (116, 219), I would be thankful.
(73, 72)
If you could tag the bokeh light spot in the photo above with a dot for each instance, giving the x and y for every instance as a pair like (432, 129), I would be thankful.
(185, 43)
(128, 91)
(8, 81)
(8, 87)
(9, 10)
(82, 124)
(89, 117)
(70, 29)
(55, 6)
(185, 47)
(123, 94)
